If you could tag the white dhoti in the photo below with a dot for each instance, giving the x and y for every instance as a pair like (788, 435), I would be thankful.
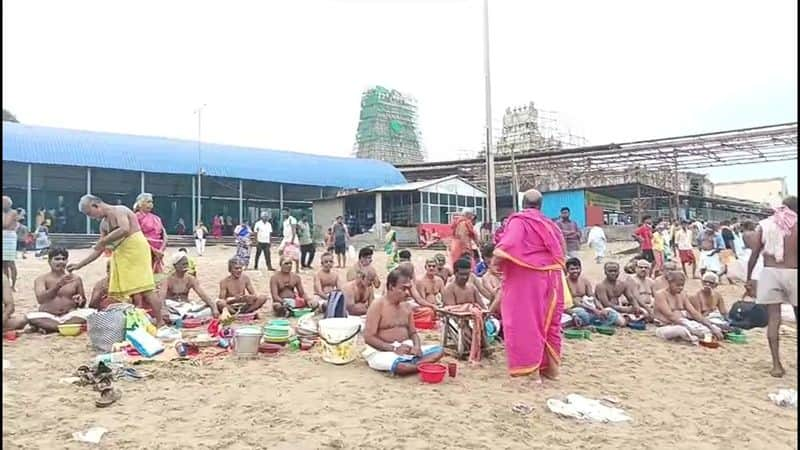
(388, 361)
(82, 313)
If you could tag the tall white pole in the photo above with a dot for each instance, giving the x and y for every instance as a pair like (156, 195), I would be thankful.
(199, 112)
(491, 197)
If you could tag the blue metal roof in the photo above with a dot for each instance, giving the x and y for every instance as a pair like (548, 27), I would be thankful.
(46, 145)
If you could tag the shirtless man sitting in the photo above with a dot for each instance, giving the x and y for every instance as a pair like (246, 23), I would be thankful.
(358, 294)
(236, 291)
(661, 281)
(364, 263)
(100, 299)
(174, 292)
(60, 295)
(392, 342)
(677, 317)
(286, 288)
(609, 291)
(325, 282)
(643, 284)
(587, 311)
(9, 321)
(708, 302)
(430, 286)
(492, 281)
(443, 272)
(460, 291)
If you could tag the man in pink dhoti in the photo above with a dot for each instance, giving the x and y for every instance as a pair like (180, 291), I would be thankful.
(152, 228)
(530, 249)
(464, 236)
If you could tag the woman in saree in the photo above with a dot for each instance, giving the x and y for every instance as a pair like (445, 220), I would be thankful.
(529, 249)
(152, 228)
(243, 234)
(390, 247)
(216, 226)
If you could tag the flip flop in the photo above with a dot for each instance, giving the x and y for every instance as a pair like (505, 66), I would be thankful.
(107, 397)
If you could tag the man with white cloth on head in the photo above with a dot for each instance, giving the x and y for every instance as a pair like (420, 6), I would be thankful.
(777, 242)
(174, 292)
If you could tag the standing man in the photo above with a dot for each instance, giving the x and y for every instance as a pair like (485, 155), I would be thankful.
(263, 231)
(10, 241)
(290, 239)
(131, 273)
(571, 232)
(683, 242)
(340, 239)
(776, 240)
(306, 242)
(644, 236)
(531, 253)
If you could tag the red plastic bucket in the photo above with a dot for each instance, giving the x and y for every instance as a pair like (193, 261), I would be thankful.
(425, 324)
(431, 372)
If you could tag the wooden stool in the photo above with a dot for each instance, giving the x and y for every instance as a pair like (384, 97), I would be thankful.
(459, 341)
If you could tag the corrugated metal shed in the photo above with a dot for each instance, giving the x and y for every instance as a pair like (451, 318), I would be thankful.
(575, 200)
(45, 145)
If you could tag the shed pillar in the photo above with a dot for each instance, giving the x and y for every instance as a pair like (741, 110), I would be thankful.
(29, 202)
(378, 214)
(88, 191)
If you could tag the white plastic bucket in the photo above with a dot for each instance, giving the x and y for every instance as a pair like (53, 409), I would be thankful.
(246, 341)
(338, 337)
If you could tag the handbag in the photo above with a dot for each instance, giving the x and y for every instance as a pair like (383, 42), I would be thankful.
(107, 328)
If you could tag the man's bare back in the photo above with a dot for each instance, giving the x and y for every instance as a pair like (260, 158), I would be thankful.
(358, 296)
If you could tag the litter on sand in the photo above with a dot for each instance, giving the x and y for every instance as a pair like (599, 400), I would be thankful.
(522, 409)
(786, 398)
(6, 364)
(582, 408)
(91, 436)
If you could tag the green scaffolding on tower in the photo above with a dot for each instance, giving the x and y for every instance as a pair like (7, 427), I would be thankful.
(387, 127)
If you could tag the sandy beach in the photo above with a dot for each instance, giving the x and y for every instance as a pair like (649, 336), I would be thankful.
(679, 396)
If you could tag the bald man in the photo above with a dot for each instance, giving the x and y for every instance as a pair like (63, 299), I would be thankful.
(530, 251)
(131, 274)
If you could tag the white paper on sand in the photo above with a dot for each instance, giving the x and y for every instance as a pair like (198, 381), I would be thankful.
(582, 408)
(6, 364)
(92, 435)
(785, 397)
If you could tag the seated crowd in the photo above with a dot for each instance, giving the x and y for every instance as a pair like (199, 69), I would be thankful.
(390, 334)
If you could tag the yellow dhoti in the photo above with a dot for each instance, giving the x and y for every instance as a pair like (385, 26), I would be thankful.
(131, 269)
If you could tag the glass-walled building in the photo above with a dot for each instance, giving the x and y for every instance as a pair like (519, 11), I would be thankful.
(403, 205)
(49, 169)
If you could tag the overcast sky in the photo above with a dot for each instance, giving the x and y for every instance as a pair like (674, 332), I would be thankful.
(288, 74)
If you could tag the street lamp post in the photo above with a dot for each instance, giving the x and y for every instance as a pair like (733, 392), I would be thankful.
(491, 197)
(199, 112)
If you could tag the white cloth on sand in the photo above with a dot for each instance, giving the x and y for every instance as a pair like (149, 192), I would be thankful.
(583, 408)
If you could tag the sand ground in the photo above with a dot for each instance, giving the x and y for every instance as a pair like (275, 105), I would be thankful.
(679, 396)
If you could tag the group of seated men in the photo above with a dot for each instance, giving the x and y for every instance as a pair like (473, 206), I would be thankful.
(620, 299)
